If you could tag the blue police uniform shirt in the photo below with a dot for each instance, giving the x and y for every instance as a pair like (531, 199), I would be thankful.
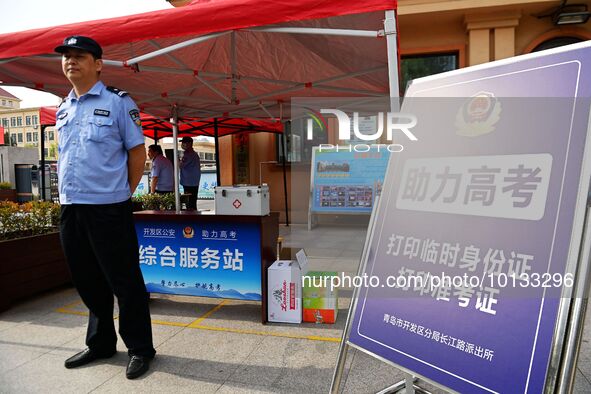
(162, 168)
(190, 168)
(95, 132)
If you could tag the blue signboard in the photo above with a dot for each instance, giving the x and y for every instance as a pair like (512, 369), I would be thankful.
(345, 181)
(219, 260)
(207, 185)
(492, 197)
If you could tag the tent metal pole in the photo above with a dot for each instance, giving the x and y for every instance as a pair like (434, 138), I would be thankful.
(115, 63)
(579, 303)
(244, 88)
(233, 65)
(266, 111)
(283, 142)
(217, 151)
(168, 55)
(174, 47)
(42, 136)
(175, 155)
(213, 89)
(324, 32)
(392, 48)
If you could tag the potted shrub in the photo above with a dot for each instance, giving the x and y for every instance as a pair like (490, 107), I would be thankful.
(7, 192)
(155, 202)
(32, 258)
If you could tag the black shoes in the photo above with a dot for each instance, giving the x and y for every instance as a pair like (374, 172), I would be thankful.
(137, 366)
(86, 356)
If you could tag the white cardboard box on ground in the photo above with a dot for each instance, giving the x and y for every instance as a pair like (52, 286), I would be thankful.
(284, 294)
(242, 200)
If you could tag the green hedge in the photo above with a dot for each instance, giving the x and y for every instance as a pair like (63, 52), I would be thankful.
(31, 218)
(156, 202)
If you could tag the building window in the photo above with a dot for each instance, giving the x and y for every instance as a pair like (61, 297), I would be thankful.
(28, 120)
(35, 137)
(556, 42)
(51, 135)
(29, 137)
(4, 103)
(417, 66)
(19, 121)
(5, 122)
(298, 148)
(13, 122)
(20, 138)
(35, 120)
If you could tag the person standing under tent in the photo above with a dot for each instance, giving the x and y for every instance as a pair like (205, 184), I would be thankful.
(190, 166)
(162, 171)
(101, 161)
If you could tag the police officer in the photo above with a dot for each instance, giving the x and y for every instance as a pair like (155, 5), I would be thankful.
(162, 171)
(101, 160)
(190, 166)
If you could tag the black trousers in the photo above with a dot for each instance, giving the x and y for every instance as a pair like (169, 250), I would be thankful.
(192, 191)
(101, 248)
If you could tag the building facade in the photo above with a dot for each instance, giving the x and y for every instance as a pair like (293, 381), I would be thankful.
(22, 128)
(8, 101)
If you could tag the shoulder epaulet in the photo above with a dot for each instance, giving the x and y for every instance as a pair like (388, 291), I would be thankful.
(118, 92)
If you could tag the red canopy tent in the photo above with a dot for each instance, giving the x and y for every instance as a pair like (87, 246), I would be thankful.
(156, 128)
(47, 116)
(225, 58)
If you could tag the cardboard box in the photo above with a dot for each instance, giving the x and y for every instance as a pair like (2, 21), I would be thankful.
(284, 295)
(242, 200)
(320, 304)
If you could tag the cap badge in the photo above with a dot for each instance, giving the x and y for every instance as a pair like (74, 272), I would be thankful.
(71, 41)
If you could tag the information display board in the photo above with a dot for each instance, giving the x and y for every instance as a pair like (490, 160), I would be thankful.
(207, 185)
(345, 181)
(492, 196)
(218, 260)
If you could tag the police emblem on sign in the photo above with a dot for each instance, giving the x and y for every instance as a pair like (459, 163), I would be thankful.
(135, 116)
(479, 115)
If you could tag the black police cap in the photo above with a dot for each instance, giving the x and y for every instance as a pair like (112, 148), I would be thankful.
(80, 42)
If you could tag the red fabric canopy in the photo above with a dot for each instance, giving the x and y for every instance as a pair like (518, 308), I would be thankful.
(163, 59)
(158, 128)
(199, 17)
(47, 116)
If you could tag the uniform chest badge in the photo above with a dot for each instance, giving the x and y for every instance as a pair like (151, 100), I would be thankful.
(101, 112)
